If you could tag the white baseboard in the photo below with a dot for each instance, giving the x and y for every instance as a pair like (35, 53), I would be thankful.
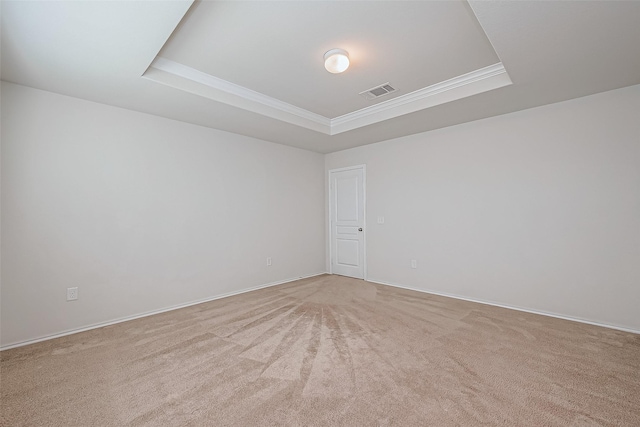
(510, 307)
(150, 313)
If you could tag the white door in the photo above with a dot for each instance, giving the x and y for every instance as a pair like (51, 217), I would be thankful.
(347, 216)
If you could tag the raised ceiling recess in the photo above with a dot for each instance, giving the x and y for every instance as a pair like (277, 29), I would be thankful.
(267, 58)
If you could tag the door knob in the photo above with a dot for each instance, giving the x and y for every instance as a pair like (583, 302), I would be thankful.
(360, 229)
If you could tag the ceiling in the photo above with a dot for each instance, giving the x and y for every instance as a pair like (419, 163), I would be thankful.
(256, 68)
(221, 38)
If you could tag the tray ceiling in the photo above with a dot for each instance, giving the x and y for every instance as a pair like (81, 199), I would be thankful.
(267, 57)
(276, 48)
(255, 68)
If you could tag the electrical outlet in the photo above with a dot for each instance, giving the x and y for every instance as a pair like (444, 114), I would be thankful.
(380, 220)
(414, 263)
(268, 261)
(72, 294)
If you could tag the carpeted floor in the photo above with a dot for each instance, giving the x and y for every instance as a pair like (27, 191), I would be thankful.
(328, 351)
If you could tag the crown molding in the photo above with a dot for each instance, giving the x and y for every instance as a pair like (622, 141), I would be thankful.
(449, 90)
(179, 76)
(241, 96)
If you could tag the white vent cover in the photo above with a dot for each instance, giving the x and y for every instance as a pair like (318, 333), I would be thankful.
(378, 91)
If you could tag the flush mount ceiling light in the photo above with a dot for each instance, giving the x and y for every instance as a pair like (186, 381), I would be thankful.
(336, 60)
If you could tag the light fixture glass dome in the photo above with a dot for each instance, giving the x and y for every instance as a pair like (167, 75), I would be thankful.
(336, 60)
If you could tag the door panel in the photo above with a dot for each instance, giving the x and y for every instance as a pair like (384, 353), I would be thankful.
(347, 253)
(347, 221)
(347, 198)
(347, 231)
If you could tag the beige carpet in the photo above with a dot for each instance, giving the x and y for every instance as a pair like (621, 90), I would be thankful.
(328, 351)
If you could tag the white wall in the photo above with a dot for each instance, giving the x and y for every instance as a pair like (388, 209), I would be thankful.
(538, 209)
(142, 213)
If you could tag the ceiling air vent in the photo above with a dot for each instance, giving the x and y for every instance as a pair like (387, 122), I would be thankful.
(378, 91)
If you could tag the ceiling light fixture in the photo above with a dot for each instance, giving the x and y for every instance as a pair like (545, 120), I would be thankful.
(336, 60)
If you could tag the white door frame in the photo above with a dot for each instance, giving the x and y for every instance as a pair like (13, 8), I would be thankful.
(364, 189)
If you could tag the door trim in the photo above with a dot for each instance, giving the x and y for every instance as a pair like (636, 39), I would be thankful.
(330, 193)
